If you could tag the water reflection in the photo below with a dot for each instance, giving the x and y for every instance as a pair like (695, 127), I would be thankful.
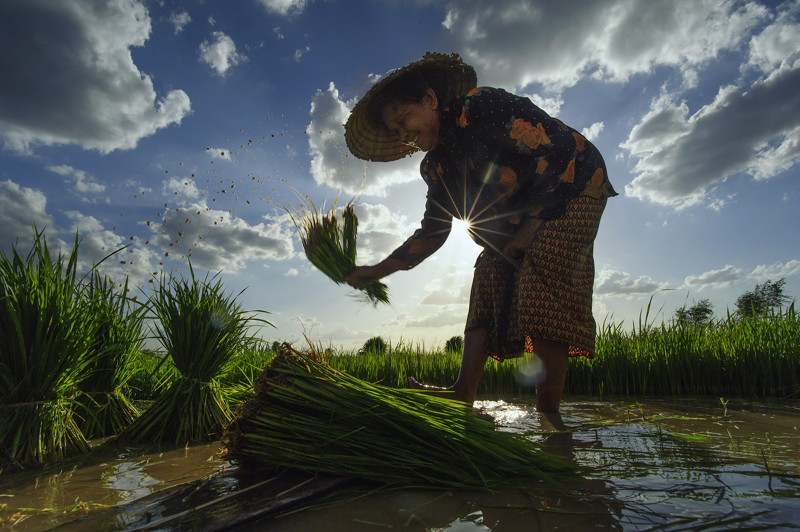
(653, 464)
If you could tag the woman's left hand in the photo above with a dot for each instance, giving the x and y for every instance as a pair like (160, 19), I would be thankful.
(516, 245)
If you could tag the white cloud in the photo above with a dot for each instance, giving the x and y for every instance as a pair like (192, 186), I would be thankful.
(219, 154)
(775, 271)
(180, 21)
(220, 53)
(284, 7)
(512, 43)
(291, 272)
(682, 156)
(20, 209)
(83, 182)
(182, 187)
(776, 46)
(453, 289)
(721, 278)
(593, 131)
(76, 83)
(331, 162)
(219, 241)
(83, 223)
(614, 283)
(550, 105)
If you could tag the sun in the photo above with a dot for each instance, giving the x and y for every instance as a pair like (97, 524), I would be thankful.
(460, 235)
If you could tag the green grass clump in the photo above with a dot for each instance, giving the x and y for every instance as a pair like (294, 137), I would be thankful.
(117, 336)
(330, 245)
(310, 417)
(44, 340)
(201, 329)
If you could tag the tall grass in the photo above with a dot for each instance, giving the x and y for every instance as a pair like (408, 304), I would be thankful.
(201, 328)
(44, 346)
(733, 357)
(116, 337)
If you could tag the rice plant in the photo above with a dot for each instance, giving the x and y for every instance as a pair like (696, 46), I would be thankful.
(330, 245)
(44, 341)
(200, 329)
(117, 336)
(310, 417)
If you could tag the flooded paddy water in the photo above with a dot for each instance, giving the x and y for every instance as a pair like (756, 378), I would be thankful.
(691, 464)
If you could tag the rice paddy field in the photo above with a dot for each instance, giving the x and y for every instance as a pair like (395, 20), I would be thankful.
(672, 426)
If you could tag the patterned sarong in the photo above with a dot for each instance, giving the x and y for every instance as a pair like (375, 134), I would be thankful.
(549, 296)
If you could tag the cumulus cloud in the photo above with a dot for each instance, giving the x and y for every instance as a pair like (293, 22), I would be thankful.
(593, 131)
(83, 182)
(180, 21)
(775, 271)
(615, 283)
(284, 7)
(681, 156)
(513, 44)
(331, 162)
(182, 187)
(220, 53)
(721, 278)
(219, 241)
(72, 79)
(776, 46)
(21, 208)
(453, 289)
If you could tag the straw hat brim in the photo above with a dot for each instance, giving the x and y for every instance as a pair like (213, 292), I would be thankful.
(372, 141)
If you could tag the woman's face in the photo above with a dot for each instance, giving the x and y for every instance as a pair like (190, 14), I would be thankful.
(417, 124)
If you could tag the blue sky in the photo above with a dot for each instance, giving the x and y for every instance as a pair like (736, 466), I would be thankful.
(179, 128)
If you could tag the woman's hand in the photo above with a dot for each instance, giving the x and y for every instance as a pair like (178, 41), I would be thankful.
(370, 273)
(516, 245)
(360, 274)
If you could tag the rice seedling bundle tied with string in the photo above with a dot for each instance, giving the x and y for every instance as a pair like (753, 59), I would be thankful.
(201, 329)
(307, 416)
(116, 338)
(43, 351)
(330, 245)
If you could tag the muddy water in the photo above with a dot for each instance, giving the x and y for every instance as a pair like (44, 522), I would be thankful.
(693, 464)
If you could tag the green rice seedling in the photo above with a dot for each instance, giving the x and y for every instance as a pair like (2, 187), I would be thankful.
(151, 373)
(44, 336)
(117, 336)
(200, 328)
(308, 416)
(330, 245)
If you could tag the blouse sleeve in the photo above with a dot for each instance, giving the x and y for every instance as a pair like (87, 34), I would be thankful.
(434, 228)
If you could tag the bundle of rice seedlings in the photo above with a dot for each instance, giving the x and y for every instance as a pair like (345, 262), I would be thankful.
(43, 345)
(201, 329)
(330, 245)
(307, 416)
(116, 338)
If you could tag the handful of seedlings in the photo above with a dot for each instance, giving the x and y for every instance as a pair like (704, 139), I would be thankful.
(330, 245)
(309, 417)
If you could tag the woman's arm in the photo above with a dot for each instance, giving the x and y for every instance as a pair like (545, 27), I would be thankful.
(386, 267)
(516, 245)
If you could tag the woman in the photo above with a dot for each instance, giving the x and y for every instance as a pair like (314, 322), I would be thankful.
(533, 191)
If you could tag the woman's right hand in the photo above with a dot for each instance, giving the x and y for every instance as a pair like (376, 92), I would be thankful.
(359, 274)
(372, 273)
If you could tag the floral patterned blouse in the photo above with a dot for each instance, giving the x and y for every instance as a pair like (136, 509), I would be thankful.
(501, 159)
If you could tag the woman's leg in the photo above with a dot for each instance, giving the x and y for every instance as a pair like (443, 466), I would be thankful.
(473, 361)
(554, 357)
